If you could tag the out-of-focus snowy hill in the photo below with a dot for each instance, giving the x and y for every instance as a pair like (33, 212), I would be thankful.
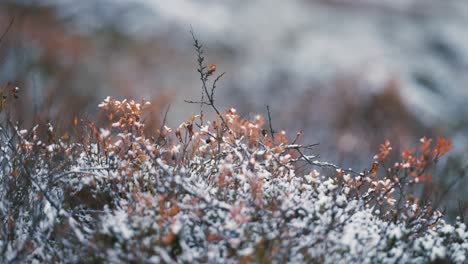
(275, 51)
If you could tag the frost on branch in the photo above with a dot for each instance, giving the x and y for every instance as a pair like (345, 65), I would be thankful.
(222, 192)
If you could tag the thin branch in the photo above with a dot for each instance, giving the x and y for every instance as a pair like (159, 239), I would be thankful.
(201, 69)
(204, 76)
(272, 132)
(461, 210)
(165, 115)
(196, 102)
(322, 164)
(213, 87)
(163, 123)
(6, 30)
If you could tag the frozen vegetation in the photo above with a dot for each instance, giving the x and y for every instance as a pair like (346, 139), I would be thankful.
(224, 191)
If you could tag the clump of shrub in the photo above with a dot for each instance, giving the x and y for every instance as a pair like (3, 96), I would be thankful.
(225, 190)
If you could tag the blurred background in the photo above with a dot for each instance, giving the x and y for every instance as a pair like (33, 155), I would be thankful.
(348, 73)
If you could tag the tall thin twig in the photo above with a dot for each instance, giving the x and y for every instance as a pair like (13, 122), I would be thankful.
(6, 30)
(204, 77)
(272, 132)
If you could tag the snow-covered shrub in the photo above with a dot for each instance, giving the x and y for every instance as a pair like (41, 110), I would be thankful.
(226, 190)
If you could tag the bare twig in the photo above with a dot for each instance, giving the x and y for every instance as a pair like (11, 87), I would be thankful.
(322, 164)
(196, 102)
(163, 123)
(201, 68)
(213, 87)
(204, 77)
(461, 210)
(272, 132)
(6, 30)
